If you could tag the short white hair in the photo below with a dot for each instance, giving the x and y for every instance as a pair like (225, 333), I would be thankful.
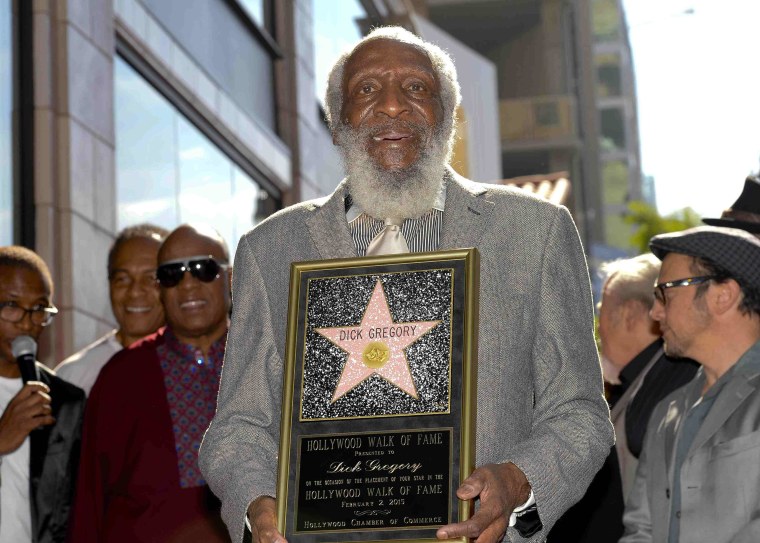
(632, 278)
(443, 67)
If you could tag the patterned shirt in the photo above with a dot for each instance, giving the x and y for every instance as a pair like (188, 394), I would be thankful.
(192, 383)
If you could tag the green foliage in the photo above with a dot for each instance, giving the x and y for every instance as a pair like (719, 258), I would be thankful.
(649, 222)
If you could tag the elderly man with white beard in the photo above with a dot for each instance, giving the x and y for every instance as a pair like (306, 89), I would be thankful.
(542, 424)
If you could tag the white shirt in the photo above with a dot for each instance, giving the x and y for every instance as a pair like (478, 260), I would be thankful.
(82, 368)
(15, 510)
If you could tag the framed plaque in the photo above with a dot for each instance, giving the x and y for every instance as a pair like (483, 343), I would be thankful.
(378, 414)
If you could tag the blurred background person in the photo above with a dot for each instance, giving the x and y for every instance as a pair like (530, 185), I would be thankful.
(745, 212)
(699, 476)
(632, 354)
(135, 303)
(41, 420)
(147, 412)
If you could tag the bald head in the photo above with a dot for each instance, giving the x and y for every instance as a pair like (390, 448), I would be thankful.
(193, 240)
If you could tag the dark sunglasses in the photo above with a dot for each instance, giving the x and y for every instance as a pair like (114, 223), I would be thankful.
(204, 268)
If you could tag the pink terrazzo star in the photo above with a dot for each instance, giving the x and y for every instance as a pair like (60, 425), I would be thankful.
(376, 346)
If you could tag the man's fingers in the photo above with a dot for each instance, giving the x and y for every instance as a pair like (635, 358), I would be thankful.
(471, 528)
(471, 487)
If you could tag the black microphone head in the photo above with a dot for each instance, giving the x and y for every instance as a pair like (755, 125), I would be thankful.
(24, 345)
(24, 348)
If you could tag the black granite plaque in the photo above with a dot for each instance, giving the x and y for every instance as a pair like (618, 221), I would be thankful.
(371, 481)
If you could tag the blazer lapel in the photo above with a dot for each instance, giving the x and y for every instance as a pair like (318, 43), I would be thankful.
(671, 424)
(728, 400)
(328, 227)
(466, 214)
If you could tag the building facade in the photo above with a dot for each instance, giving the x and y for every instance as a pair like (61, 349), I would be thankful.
(115, 112)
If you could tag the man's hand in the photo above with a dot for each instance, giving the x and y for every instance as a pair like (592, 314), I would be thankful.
(501, 488)
(262, 514)
(29, 409)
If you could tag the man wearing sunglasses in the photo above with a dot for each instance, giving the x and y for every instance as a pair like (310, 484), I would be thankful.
(698, 479)
(134, 298)
(40, 426)
(139, 479)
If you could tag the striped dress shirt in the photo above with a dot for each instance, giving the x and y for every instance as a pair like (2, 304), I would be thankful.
(421, 234)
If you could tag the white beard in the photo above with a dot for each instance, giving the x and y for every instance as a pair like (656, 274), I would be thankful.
(397, 194)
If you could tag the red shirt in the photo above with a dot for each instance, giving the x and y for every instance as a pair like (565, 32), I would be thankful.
(128, 489)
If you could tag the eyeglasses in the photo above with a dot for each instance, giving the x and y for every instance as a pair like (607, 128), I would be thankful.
(660, 288)
(40, 315)
(203, 268)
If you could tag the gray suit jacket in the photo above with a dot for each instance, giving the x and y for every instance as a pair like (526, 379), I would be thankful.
(540, 401)
(720, 478)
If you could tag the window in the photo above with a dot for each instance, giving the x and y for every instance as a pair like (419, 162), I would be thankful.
(233, 55)
(168, 172)
(255, 8)
(6, 126)
(613, 129)
(606, 20)
(608, 75)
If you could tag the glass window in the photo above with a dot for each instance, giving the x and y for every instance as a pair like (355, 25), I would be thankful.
(606, 20)
(608, 75)
(254, 8)
(215, 37)
(6, 127)
(336, 29)
(613, 129)
(168, 172)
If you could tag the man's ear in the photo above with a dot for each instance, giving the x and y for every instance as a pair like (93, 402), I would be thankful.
(633, 311)
(725, 296)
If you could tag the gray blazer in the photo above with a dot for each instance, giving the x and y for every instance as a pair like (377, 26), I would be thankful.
(720, 478)
(540, 401)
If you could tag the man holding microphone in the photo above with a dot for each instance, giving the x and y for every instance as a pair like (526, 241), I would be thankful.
(41, 419)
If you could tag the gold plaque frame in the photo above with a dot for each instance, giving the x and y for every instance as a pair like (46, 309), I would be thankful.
(377, 412)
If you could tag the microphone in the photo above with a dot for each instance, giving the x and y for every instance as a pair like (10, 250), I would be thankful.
(24, 349)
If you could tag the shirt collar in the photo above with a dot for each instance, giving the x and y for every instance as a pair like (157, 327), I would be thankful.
(354, 210)
(190, 352)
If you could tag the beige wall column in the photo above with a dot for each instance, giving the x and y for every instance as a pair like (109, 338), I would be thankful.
(74, 164)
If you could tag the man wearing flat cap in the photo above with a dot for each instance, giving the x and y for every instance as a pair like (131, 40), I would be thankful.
(699, 474)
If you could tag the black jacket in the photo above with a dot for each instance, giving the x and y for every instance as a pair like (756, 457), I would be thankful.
(54, 459)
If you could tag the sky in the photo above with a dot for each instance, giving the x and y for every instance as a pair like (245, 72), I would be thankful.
(698, 87)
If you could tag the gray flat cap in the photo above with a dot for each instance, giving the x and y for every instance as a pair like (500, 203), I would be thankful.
(736, 251)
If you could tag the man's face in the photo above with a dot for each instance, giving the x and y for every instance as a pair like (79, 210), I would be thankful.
(194, 308)
(683, 317)
(26, 288)
(134, 293)
(391, 96)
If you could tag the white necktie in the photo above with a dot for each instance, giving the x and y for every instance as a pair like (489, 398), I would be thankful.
(389, 241)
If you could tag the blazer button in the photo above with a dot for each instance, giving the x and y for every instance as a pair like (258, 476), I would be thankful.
(667, 493)
(678, 514)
